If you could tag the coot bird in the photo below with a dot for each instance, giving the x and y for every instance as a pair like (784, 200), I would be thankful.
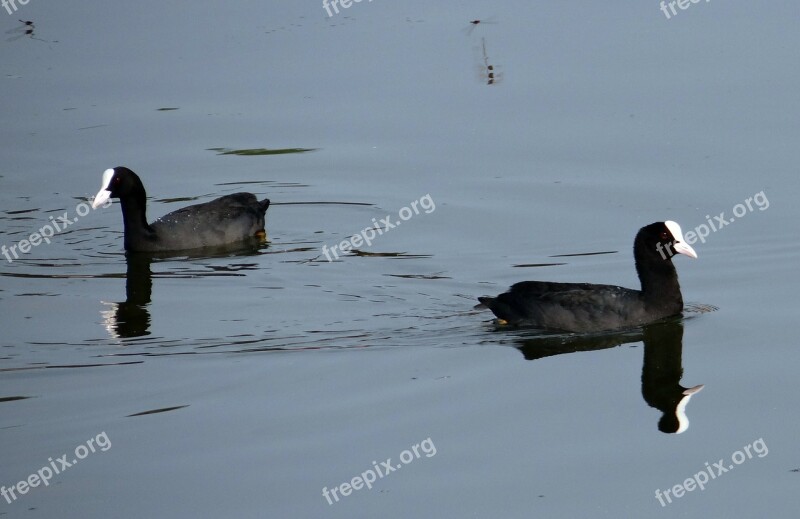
(584, 307)
(223, 221)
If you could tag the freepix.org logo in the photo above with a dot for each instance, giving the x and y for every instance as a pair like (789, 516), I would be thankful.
(379, 227)
(55, 467)
(332, 6)
(370, 476)
(47, 231)
(11, 5)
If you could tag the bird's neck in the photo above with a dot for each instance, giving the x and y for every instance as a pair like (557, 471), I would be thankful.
(660, 285)
(134, 216)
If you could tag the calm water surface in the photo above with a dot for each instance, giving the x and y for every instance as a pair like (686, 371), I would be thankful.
(241, 383)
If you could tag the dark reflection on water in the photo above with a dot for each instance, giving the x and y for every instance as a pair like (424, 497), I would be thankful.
(488, 73)
(13, 398)
(662, 367)
(28, 28)
(571, 255)
(486, 69)
(131, 318)
(159, 410)
(71, 366)
(661, 375)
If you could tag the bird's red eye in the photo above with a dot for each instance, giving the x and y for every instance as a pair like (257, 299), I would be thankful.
(664, 235)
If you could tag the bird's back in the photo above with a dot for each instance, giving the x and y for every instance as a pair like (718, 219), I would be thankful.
(226, 219)
(574, 307)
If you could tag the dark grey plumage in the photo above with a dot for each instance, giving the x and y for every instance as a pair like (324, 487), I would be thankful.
(584, 307)
(226, 220)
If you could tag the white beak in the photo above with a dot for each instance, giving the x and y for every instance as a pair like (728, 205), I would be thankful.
(104, 194)
(101, 198)
(680, 246)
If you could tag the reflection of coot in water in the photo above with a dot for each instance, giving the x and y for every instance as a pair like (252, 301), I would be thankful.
(584, 307)
(661, 375)
(131, 317)
(228, 219)
(661, 368)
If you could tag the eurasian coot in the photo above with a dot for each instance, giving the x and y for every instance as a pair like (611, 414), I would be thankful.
(223, 221)
(584, 307)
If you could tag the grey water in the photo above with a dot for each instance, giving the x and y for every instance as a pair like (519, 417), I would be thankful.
(270, 382)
